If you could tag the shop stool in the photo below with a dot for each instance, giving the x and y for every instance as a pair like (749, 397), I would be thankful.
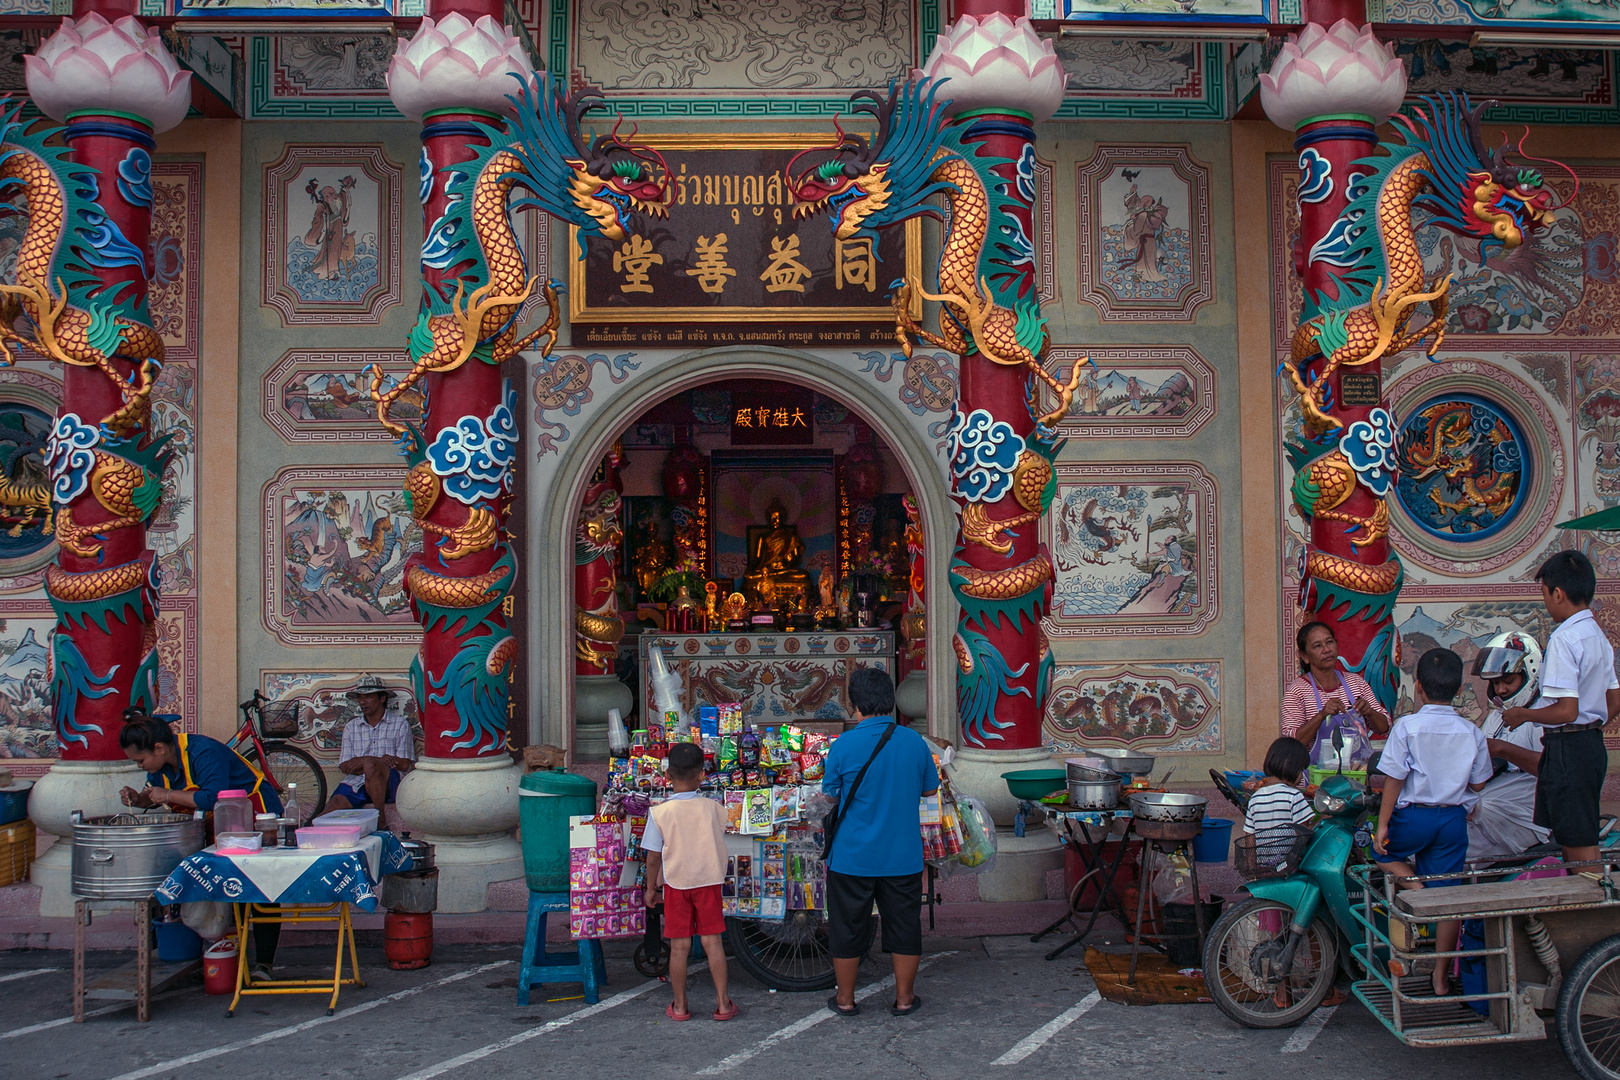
(584, 965)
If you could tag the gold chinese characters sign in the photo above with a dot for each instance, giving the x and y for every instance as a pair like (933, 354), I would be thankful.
(731, 265)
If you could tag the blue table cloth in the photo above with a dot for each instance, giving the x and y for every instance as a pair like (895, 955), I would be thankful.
(288, 875)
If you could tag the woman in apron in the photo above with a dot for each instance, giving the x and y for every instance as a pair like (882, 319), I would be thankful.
(187, 772)
(1324, 689)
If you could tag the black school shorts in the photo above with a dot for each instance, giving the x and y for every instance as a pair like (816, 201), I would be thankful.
(849, 911)
(1569, 785)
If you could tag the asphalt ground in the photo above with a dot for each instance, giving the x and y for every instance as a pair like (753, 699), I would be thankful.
(992, 1007)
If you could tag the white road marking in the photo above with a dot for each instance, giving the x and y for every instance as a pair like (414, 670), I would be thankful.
(1301, 1039)
(46, 1025)
(1043, 1034)
(543, 1029)
(269, 1036)
(804, 1024)
(27, 974)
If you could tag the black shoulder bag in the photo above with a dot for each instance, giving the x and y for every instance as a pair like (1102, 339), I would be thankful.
(829, 827)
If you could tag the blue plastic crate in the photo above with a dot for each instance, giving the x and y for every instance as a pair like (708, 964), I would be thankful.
(14, 801)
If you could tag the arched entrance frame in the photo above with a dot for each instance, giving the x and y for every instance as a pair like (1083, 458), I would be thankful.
(550, 647)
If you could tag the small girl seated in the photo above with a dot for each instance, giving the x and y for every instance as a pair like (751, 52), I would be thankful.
(1279, 805)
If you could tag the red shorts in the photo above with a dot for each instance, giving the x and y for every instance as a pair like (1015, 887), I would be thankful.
(693, 911)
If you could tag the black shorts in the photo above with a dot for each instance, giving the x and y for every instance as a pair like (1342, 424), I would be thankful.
(1569, 785)
(849, 913)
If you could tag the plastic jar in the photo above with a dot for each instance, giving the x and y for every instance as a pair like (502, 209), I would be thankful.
(233, 812)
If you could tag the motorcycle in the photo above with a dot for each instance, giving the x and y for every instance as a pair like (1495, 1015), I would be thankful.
(1270, 960)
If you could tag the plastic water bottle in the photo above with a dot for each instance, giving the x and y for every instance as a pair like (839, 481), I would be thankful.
(289, 805)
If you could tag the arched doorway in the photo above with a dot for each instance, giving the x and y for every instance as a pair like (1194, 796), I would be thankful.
(551, 625)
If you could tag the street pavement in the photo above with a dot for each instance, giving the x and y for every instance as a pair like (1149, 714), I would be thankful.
(993, 1008)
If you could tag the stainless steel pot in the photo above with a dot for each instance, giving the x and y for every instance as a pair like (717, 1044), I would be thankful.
(420, 851)
(1094, 794)
(127, 856)
(1168, 806)
(1125, 761)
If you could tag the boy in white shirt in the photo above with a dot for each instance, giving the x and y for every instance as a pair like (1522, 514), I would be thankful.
(1435, 761)
(1578, 695)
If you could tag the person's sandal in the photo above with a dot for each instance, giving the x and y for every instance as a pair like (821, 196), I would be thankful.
(729, 1014)
(896, 1010)
(832, 1004)
(669, 1011)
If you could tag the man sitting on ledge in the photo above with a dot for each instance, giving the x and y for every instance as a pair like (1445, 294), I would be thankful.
(378, 750)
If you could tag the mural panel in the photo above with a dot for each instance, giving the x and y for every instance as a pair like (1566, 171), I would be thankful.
(336, 541)
(1144, 233)
(322, 395)
(324, 707)
(174, 291)
(1134, 548)
(340, 76)
(1147, 392)
(28, 402)
(1161, 708)
(332, 235)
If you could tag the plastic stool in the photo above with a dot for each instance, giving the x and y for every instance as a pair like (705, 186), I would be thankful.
(584, 965)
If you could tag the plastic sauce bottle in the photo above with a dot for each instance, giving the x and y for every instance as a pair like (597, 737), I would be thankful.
(289, 811)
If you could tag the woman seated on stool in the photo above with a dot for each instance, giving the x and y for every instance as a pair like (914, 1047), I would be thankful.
(187, 772)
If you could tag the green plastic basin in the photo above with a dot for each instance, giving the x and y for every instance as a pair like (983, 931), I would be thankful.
(1035, 783)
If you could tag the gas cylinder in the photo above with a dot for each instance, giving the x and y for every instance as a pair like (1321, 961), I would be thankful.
(408, 939)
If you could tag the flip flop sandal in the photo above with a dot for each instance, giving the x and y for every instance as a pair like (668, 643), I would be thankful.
(832, 1003)
(669, 1011)
(729, 1014)
(916, 1003)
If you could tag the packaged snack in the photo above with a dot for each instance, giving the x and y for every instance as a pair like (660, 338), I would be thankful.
(730, 718)
(784, 804)
(793, 738)
(757, 813)
(726, 755)
(708, 720)
(734, 811)
(929, 810)
(811, 766)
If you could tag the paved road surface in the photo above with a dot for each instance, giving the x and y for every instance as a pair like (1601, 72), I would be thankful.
(993, 1008)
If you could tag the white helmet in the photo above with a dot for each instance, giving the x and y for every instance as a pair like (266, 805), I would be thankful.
(1512, 653)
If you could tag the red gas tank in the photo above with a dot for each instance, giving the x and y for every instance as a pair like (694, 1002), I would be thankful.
(407, 940)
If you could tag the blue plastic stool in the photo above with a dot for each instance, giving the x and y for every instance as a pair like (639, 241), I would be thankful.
(584, 965)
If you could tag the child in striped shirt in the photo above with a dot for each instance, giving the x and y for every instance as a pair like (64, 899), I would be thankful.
(1279, 803)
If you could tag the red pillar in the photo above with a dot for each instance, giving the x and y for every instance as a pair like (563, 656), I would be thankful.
(598, 626)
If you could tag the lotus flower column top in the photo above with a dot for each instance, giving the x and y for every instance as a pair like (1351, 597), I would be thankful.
(997, 63)
(1335, 72)
(457, 64)
(122, 67)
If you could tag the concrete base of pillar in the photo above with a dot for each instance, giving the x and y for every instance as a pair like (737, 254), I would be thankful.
(1021, 866)
(90, 786)
(911, 697)
(594, 695)
(978, 773)
(467, 808)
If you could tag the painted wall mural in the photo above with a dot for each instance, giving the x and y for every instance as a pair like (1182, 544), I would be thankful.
(336, 541)
(332, 235)
(1134, 548)
(28, 403)
(1144, 233)
(324, 707)
(1163, 708)
(320, 395)
(1152, 391)
(174, 291)
(1119, 78)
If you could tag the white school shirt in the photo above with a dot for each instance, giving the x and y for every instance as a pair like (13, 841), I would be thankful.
(1579, 664)
(1525, 735)
(1438, 754)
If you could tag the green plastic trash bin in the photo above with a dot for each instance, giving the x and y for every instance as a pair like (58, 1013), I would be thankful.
(546, 800)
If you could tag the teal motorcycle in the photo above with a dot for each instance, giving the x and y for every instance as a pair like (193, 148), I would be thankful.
(1270, 960)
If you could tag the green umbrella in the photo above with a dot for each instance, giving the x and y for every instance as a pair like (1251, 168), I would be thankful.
(1602, 521)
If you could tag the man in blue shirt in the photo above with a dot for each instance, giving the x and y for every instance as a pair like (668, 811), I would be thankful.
(875, 852)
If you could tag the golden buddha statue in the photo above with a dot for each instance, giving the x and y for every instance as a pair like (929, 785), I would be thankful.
(774, 551)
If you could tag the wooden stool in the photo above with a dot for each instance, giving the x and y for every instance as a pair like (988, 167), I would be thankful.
(584, 965)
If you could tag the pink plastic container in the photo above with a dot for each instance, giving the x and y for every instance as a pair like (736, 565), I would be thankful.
(333, 837)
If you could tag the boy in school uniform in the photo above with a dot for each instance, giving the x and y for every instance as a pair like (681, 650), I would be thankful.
(1434, 762)
(1578, 695)
(685, 842)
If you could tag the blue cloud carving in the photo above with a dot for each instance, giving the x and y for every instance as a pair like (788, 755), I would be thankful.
(135, 177)
(1370, 447)
(983, 453)
(1315, 176)
(70, 455)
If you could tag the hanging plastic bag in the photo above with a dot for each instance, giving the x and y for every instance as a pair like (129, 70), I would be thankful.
(211, 919)
(1342, 744)
(1170, 877)
(978, 852)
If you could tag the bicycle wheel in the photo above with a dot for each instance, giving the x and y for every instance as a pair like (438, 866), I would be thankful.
(791, 955)
(290, 765)
(1589, 1012)
(1239, 956)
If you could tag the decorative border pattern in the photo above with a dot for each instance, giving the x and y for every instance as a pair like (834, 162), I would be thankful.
(1208, 556)
(278, 621)
(388, 290)
(1199, 680)
(1548, 470)
(1048, 287)
(1200, 290)
(292, 429)
(1200, 376)
(267, 100)
(1203, 98)
(181, 331)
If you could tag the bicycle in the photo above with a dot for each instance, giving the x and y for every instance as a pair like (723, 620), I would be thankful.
(261, 741)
